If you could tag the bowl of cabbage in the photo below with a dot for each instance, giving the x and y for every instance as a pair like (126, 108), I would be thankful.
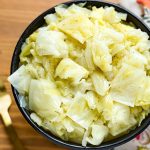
(80, 75)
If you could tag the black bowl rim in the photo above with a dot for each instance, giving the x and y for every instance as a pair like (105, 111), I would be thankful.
(106, 145)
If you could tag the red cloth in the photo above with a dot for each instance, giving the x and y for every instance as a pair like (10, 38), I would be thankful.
(146, 3)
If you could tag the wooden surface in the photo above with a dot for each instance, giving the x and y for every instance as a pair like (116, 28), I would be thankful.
(15, 15)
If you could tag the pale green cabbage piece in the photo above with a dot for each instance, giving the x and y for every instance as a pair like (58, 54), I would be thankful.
(121, 119)
(51, 43)
(68, 69)
(36, 118)
(44, 99)
(135, 59)
(144, 96)
(78, 26)
(60, 128)
(21, 79)
(84, 86)
(92, 99)
(104, 106)
(88, 56)
(63, 12)
(127, 84)
(83, 116)
(101, 55)
(112, 16)
(100, 83)
(95, 138)
(51, 18)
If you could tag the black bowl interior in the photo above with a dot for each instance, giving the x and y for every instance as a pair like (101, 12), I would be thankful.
(38, 22)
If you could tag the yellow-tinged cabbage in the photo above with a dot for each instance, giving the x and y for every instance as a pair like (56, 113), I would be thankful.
(20, 80)
(51, 43)
(100, 83)
(25, 49)
(121, 119)
(51, 18)
(127, 84)
(97, 14)
(77, 26)
(147, 55)
(68, 69)
(134, 37)
(75, 131)
(83, 86)
(143, 45)
(98, 133)
(104, 106)
(101, 55)
(143, 97)
(117, 48)
(88, 56)
(62, 127)
(36, 71)
(92, 99)
(36, 118)
(80, 112)
(110, 36)
(111, 16)
(140, 113)
(44, 99)
(56, 128)
(65, 88)
(135, 58)
(75, 48)
(75, 9)
(82, 61)
(66, 102)
(64, 11)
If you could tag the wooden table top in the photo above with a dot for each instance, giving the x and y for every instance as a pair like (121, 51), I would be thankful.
(15, 15)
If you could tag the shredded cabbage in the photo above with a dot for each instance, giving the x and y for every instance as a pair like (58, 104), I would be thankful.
(85, 74)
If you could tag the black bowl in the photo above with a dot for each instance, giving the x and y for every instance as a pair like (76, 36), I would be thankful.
(38, 22)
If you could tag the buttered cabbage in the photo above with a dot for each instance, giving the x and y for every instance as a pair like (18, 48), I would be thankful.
(85, 74)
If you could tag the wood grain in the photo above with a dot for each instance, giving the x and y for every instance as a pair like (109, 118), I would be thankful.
(15, 15)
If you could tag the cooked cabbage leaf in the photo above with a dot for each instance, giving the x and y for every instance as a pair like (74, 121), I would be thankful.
(143, 97)
(121, 119)
(127, 84)
(68, 69)
(77, 26)
(80, 112)
(101, 55)
(51, 43)
(44, 99)
(96, 138)
(100, 83)
(20, 80)
(92, 99)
